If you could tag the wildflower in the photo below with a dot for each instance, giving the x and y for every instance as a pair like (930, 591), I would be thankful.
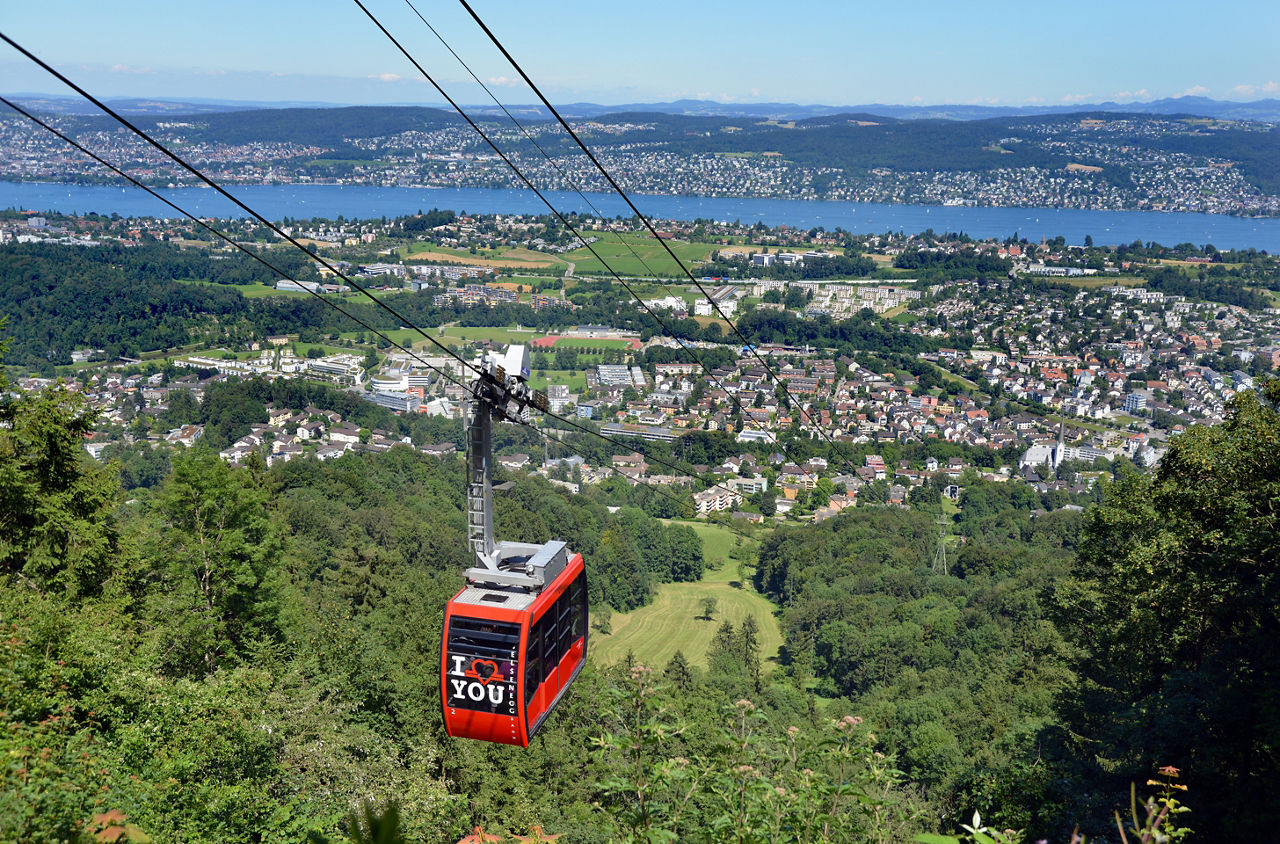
(1169, 771)
(745, 705)
(793, 731)
(849, 722)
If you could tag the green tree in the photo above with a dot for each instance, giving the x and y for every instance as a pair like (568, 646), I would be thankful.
(683, 548)
(56, 530)
(678, 672)
(603, 619)
(218, 552)
(822, 494)
(749, 648)
(1174, 607)
(182, 408)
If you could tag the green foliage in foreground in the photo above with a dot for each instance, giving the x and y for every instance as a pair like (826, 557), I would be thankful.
(240, 655)
(1175, 605)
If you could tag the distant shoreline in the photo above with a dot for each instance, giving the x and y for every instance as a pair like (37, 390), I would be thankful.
(364, 202)
(163, 185)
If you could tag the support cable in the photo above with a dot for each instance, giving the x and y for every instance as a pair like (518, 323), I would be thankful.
(649, 225)
(223, 192)
(582, 195)
(217, 233)
(159, 146)
(529, 184)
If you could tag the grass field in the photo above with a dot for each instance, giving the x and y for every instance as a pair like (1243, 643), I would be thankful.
(672, 623)
(502, 257)
(458, 334)
(249, 291)
(1273, 295)
(575, 380)
(704, 321)
(582, 343)
(450, 335)
(1094, 281)
(618, 254)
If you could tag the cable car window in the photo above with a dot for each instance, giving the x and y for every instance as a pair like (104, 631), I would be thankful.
(481, 661)
(566, 623)
(550, 644)
(533, 663)
(576, 603)
(544, 651)
(555, 638)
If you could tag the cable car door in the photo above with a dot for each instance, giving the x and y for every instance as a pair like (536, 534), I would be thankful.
(481, 670)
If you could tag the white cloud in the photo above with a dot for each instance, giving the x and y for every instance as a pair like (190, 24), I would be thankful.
(505, 81)
(1075, 98)
(1271, 87)
(386, 77)
(124, 68)
(1140, 94)
(1194, 91)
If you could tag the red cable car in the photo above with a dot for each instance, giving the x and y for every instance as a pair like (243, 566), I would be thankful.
(508, 656)
(515, 637)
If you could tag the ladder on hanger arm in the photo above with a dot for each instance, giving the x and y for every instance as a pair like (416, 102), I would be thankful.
(500, 392)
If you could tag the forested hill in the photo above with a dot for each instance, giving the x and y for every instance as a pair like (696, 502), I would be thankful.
(326, 127)
(854, 142)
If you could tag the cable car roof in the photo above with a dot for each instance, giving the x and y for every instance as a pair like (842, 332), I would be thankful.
(507, 599)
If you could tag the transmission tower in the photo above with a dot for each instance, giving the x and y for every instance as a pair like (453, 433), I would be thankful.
(940, 555)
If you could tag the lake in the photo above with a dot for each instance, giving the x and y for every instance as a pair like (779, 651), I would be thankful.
(301, 201)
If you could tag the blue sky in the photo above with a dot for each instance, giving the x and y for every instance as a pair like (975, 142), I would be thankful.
(836, 53)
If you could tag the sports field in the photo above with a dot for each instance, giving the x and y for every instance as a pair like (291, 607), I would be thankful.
(672, 623)
(587, 343)
(574, 380)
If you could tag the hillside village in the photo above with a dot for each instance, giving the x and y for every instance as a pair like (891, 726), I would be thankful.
(1050, 380)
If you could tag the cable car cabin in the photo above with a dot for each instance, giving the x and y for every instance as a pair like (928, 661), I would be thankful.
(509, 653)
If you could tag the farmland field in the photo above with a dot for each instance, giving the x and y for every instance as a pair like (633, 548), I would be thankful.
(618, 254)
(503, 257)
(672, 623)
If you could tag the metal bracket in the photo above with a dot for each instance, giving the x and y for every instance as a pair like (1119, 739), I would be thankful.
(501, 392)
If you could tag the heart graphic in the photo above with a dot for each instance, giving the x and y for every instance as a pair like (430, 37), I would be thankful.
(486, 669)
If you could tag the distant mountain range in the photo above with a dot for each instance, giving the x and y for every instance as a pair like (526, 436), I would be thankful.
(1267, 110)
